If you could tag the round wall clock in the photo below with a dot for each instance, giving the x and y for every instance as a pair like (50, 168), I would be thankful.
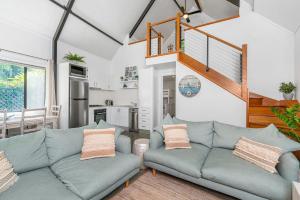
(189, 86)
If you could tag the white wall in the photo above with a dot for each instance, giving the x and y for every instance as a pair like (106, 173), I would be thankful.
(211, 103)
(24, 41)
(297, 68)
(271, 58)
(127, 55)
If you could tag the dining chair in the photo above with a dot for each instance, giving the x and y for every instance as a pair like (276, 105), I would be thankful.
(55, 110)
(33, 120)
(54, 113)
(3, 118)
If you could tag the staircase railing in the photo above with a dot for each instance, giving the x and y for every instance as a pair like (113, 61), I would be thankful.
(214, 52)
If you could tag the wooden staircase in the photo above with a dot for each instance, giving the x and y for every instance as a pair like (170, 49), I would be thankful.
(260, 114)
(214, 76)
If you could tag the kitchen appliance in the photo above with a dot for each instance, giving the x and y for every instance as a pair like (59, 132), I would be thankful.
(73, 95)
(134, 126)
(109, 102)
(99, 114)
(78, 71)
(78, 102)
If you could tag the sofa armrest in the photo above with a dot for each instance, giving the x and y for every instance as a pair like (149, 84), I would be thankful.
(123, 144)
(156, 140)
(288, 167)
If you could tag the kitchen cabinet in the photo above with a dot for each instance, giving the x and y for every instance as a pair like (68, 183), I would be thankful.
(118, 116)
(145, 118)
(99, 78)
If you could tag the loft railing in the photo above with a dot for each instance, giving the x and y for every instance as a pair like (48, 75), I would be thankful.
(214, 52)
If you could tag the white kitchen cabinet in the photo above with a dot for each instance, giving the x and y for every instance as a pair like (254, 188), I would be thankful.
(99, 78)
(145, 118)
(118, 116)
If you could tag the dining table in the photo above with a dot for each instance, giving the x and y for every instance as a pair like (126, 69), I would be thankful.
(15, 121)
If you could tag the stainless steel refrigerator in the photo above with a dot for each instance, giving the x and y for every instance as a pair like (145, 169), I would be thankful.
(79, 102)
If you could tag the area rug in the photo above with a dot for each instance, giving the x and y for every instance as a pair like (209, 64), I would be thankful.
(165, 187)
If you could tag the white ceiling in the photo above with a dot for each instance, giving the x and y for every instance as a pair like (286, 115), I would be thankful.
(285, 13)
(39, 16)
(163, 9)
(82, 36)
(115, 17)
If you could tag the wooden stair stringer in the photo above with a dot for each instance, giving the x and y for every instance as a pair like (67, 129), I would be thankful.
(212, 75)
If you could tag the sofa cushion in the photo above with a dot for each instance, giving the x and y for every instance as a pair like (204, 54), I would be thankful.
(39, 184)
(223, 167)
(104, 125)
(226, 136)
(62, 143)
(199, 132)
(98, 143)
(176, 136)
(167, 120)
(26, 152)
(87, 178)
(187, 161)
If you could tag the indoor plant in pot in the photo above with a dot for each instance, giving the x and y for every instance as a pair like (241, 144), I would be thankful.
(287, 89)
(291, 117)
(74, 58)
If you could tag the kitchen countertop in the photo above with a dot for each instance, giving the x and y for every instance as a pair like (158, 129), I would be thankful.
(103, 106)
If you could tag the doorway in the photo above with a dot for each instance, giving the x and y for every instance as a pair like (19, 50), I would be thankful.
(169, 95)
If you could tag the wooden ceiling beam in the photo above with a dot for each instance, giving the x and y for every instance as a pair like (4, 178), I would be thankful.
(235, 2)
(198, 5)
(86, 22)
(56, 36)
(141, 18)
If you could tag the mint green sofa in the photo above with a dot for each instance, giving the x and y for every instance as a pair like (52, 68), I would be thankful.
(210, 162)
(49, 167)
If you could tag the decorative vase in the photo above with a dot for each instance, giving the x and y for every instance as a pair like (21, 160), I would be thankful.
(288, 96)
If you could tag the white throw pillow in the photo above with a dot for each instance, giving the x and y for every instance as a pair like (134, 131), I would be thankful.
(7, 175)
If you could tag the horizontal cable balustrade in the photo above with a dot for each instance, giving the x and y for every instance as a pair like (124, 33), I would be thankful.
(224, 58)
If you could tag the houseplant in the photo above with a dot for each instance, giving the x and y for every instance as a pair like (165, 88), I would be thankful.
(73, 57)
(291, 117)
(287, 90)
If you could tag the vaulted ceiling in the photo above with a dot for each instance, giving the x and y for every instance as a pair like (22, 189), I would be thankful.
(115, 17)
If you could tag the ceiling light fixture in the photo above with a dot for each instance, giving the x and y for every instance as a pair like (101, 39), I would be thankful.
(185, 15)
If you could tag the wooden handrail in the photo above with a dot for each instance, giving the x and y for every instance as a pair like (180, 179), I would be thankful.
(214, 22)
(212, 36)
(164, 21)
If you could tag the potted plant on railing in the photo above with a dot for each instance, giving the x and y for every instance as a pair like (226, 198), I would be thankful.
(74, 58)
(287, 89)
(291, 117)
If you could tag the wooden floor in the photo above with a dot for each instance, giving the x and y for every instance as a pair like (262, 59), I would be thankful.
(165, 187)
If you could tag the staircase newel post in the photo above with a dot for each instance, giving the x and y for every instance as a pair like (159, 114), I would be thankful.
(159, 43)
(178, 32)
(148, 39)
(244, 71)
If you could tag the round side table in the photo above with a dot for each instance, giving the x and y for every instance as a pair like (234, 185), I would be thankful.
(140, 146)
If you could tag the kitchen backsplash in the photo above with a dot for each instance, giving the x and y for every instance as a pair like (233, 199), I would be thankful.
(119, 97)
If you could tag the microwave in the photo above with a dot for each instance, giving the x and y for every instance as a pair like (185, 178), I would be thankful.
(78, 71)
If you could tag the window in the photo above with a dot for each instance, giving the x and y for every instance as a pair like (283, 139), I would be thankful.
(21, 86)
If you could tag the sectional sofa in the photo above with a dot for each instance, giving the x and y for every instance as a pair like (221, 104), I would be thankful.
(210, 162)
(49, 166)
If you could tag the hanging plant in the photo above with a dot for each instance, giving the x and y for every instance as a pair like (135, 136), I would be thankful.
(74, 57)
